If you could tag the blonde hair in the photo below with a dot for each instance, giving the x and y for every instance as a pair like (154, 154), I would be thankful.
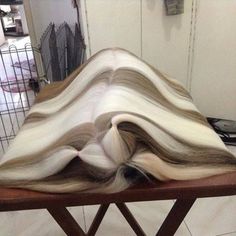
(111, 121)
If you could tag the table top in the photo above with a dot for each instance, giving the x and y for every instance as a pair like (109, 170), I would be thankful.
(221, 185)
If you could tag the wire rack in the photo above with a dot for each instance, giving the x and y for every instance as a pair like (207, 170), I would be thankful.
(18, 87)
(61, 51)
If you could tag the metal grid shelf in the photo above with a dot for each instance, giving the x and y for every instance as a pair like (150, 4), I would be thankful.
(18, 83)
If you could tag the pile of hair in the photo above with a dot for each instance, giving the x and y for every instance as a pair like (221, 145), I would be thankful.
(114, 119)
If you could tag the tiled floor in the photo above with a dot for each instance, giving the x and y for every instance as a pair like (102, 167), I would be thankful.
(149, 215)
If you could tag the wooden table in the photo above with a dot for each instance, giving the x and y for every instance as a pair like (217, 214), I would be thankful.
(186, 192)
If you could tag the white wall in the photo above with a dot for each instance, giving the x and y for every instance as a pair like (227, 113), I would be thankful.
(141, 27)
(214, 68)
(114, 24)
(198, 48)
(23, 19)
(165, 39)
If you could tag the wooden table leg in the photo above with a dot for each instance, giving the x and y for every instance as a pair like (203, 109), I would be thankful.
(130, 219)
(175, 217)
(98, 219)
(63, 217)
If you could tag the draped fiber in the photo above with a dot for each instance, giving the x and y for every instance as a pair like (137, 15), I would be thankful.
(112, 121)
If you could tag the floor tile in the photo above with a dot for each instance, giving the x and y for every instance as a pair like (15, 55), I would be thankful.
(228, 234)
(8, 100)
(113, 223)
(27, 223)
(150, 215)
(212, 216)
(9, 229)
(33, 222)
(78, 214)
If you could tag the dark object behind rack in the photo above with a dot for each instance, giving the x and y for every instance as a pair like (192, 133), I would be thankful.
(226, 129)
(62, 51)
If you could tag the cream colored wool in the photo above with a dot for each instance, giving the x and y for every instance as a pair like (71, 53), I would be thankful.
(112, 119)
